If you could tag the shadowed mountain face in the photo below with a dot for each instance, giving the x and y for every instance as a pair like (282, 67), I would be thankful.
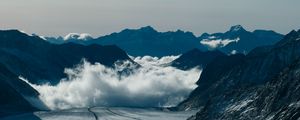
(40, 61)
(194, 58)
(239, 40)
(257, 85)
(15, 94)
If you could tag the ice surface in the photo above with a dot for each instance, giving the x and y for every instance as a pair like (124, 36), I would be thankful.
(105, 113)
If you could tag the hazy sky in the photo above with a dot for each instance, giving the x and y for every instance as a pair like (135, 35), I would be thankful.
(100, 17)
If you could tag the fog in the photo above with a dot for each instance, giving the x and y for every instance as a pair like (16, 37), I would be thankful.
(152, 85)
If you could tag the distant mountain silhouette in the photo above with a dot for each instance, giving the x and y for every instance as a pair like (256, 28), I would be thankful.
(148, 41)
(239, 40)
(144, 41)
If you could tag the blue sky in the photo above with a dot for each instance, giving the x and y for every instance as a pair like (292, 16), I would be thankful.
(100, 17)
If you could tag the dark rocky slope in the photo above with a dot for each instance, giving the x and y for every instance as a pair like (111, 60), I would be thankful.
(277, 100)
(241, 80)
(39, 61)
(16, 94)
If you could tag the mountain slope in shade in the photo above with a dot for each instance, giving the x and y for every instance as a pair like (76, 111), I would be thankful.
(195, 57)
(239, 40)
(277, 100)
(16, 95)
(222, 94)
(39, 61)
(209, 77)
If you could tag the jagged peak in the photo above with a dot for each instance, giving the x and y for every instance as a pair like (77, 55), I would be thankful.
(204, 35)
(184, 32)
(292, 36)
(147, 28)
(237, 28)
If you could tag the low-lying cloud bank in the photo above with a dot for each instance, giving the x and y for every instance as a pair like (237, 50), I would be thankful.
(218, 42)
(151, 85)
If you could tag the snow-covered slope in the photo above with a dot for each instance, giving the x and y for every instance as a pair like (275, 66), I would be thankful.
(78, 36)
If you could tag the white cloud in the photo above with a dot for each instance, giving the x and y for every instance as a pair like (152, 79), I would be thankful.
(218, 42)
(148, 60)
(77, 36)
(152, 85)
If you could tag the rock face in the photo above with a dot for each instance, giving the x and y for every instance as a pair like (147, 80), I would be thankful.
(194, 58)
(239, 40)
(39, 61)
(263, 84)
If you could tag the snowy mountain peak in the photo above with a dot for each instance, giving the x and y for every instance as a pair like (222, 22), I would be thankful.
(237, 28)
(77, 36)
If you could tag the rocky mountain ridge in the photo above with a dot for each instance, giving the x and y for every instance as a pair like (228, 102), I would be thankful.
(259, 85)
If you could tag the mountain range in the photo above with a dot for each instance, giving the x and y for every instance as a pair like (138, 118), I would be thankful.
(260, 85)
(239, 40)
(148, 41)
(258, 81)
